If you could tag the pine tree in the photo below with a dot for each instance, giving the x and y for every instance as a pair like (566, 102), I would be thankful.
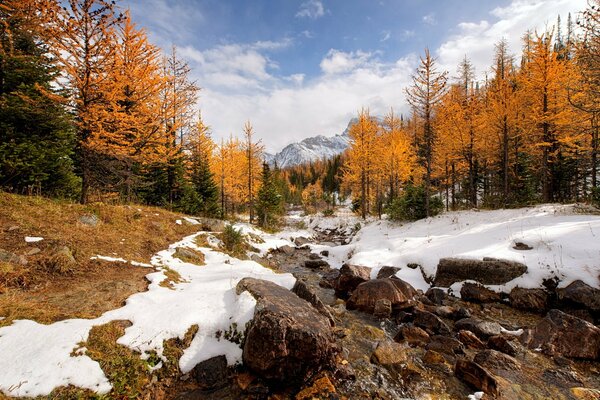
(201, 149)
(36, 133)
(268, 199)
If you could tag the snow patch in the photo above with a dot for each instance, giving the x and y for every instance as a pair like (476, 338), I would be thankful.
(33, 239)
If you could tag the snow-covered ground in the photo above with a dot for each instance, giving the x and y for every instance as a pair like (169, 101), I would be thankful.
(37, 358)
(566, 244)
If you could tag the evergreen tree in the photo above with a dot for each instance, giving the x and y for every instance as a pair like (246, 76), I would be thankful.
(206, 189)
(268, 201)
(36, 133)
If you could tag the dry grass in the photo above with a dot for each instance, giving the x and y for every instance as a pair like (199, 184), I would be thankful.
(173, 278)
(51, 287)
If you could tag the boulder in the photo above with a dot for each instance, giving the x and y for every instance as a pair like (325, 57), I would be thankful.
(89, 220)
(302, 290)
(387, 272)
(413, 335)
(501, 343)
(563, 334)
(301, 241)
(436, 295)
(13, 258)
(580, 294)
(483, 329)
(350, 277)
(316, 264)
(446, 345)
(497, 361)
(431, 323)
(288, 338)
(329, 279)
(389, 353)
(211, 374)
(383, 308)
(286, 249)
(367, 294)
(529, 299)
(471, 340)
(476, 376)
(489, 271)
(325, 253)
(478, 293)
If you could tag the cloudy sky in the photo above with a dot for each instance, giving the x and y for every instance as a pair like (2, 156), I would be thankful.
(298, 68)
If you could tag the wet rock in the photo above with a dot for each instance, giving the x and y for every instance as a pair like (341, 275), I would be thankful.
(301, 241)
(563, 334)
(211, 374)
(489, 271)
(316, 264)
(529, 299)
(287, 339)
(89, 220)
(497, 361)
(413, 335)
(476, 376)
(188, 255)
(446, 345)
(436, 295)
(483, 329)
(329, 279)
(471, 340)
(366, 295)
(431, 323)
(287, 250)
(478, 293)
(387, 272)
(501, 343)
(389, 353)
(302, 290)
(383, 308)
(350, 277)
(580, 294)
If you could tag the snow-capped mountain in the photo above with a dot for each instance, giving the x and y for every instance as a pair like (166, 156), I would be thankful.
(310, 149)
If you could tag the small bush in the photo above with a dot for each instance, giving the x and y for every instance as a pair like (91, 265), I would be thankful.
(595, 196)
(411, 205)
(232, 238)
(328, 213)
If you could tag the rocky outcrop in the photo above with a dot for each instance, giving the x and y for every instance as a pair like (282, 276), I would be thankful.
(496, 361)
(580, 294)
(431, 323)
(316, 264)
(387, 272)
(367, 294)
(563, 334)
(476, 376)
(302, 290)
(478, 293)
(211, 374)
(413, 335)
(288, 338)
(483, 329)
(350, 277)
(529, 299)
(489, 271)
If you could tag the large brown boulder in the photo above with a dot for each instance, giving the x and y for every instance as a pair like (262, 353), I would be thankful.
(367, 294)
(529, 299)
(489, 271)
(478, 293)
(349, 278)
(564, 334)
(483, 329)
(476, 376)
(288, 338)
(580, 294)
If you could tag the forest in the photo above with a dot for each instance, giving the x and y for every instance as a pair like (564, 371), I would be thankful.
(91, 110)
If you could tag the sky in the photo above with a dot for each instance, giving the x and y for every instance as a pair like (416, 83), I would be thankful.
(300, 68)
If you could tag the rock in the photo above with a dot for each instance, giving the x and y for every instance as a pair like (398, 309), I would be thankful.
(350, 277)
(314, 256)
(366, 295)
(442, 311)
(301, 241)
(211, 374)
(582, 393)
(329, 279)
(413, 335)
(33, 251)
(387, 272)
(478, 293)
(436, 295)
(461, 313)
(383, 308)
(7, 256)
(483, 329)
(13, 228)
(413, 265)
(529, 299)
(563, 334)
(476, 376)
(580, 294)
(302, 290)
(316, 264)
(471, 340)
(431, 323)
(446, 345)
(287, 339)
(286, 249)
(389, 353)
(89, 220)
(433, 357)
(504, 345)
(188, 255)
(322, 388)
(496, 361)
(325, 253)
(488, 271)
(522, 246)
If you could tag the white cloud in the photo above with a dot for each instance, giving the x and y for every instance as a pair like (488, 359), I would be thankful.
(307, 34)
(312, 9)
(338, 62)
(406, 34)
(386, 35)
(429, 19)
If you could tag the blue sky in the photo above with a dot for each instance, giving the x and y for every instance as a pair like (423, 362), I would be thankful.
(300, 68)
